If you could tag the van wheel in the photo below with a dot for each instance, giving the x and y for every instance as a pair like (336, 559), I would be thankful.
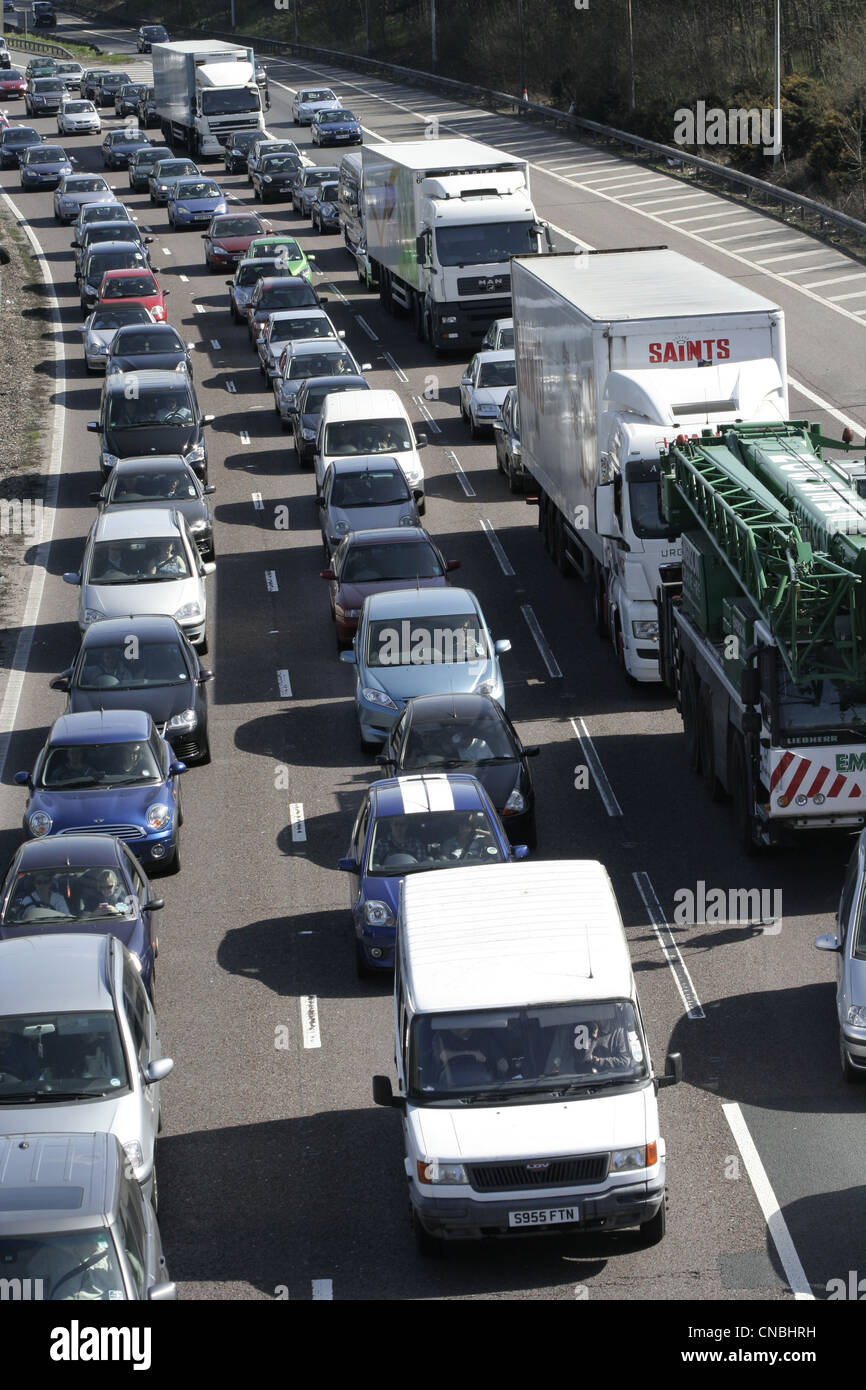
(429, 1246)
(652, 1231)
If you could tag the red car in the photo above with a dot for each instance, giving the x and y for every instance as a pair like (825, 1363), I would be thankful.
(12, 83)
(228, 237)
(134, 287)
(369, 562)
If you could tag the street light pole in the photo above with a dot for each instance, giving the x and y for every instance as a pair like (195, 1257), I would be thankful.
(631, 100)
(520, 46)
(433, 54)
(777, 84)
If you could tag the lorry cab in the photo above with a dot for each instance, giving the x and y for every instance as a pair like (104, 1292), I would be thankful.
(524, 1077)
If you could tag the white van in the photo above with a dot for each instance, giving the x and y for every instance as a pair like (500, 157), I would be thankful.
(354, 423)
(523, 1072)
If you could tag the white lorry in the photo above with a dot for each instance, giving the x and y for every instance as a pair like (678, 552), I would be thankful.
(442, 220)
(617, 354)
(205, 91)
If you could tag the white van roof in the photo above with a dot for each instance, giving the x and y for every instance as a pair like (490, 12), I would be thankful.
(506, 935)
(363, 405)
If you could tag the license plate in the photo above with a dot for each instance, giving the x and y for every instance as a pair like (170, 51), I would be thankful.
(544, 1216)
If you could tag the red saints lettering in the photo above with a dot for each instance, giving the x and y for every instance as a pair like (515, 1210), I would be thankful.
(695, 350)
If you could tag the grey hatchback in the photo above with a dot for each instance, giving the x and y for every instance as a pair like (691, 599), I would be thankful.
(849, 946)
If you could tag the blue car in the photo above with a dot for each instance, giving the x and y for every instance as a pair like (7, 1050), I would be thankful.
(194, 202)
(336, 128)
(407, 825)
(81, 883)
(107, 773)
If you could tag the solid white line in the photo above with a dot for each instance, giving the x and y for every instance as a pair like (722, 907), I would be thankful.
(461, 476)
(323, 1289)
(310, 1024)
(831, 410)
(670, 950)
(24, 644)
(541, 641)
(776, 1224)
(394, 366)
(284, 685)
(434, 425)
(296, 820)
(215, 344)
(244, 437)
(590, 753)
(495, 546)
(257, 502)
(367, 329)
(231, 388)
(271, 582)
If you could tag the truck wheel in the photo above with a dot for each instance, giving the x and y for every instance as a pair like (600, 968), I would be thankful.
(707, 740)
(599, 602)
(418, 315)
(689, 695)
(743, 813)
(560, 546)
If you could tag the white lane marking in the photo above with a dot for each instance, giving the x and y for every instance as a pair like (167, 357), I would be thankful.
(166, 251)
(30, 616)
(541, 641)
(834, 279)
(560, 231)
(244, 437)
(670, 950)
(184, 279)
(743, 222)
(297, 822)
(231, 388)
(461, 476)
(810, 269)
(199, 308)
(590, 754)
(335, 289)
(216, 344)
(367, 329)
(311, 1034)
(394, 366)
(704, 216)
(768, 245)
(257, 502)
(495, 545)
(323, 1289)
(437, 429)
(284, 685)
(776, 1224)
(271, 582)
(855, 294)
(831, 410)
(789, 256)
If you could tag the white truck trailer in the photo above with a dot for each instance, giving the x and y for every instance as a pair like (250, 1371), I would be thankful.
(205, 90)
(617, 354)
(442, 220)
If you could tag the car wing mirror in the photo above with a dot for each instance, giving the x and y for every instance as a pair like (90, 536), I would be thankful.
(176, 767)
(60, 682)
(70, 577)
(205, 674)
(348, 865)
(153, 905)
(348, 658)
(520, 852)
(502, 646)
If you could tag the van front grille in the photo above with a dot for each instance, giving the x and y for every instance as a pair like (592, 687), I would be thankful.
(539, 1172)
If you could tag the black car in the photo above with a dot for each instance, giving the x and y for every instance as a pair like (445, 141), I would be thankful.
(14, 141)
(119, 146)
(146, 108)
(162, 417)
(43, 15)
(44, 95)
(126, 98)
(275, 292)
(154, 480)
(142, 164)
(469, 733)
(305, 421)
(324, 209)
(274, 177)
(108, 84)
(97, 233)
(143, 663)
(236, 149)
(155, 346)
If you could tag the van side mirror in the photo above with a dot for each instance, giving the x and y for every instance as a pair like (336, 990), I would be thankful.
(383, 1094)
(673, 1070)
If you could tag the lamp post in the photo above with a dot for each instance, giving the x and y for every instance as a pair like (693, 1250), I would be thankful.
(433, 54)
(777, 84)
(631, 101)
(520, 46)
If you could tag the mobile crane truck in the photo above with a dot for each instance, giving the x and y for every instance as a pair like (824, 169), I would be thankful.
(763, 624)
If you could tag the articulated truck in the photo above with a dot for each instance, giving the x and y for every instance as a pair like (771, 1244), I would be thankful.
(617, 353)
(763, 625)
(205, 91)
(441, 219)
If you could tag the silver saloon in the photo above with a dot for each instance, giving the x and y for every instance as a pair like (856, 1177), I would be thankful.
(848, 944)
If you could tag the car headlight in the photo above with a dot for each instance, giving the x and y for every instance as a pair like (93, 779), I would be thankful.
(487, 688)
(158, 312)
(378, 914)
(627, 1160)
(648, 630)
(488, 411)
(221, 207)
(407, 521)
(308, 435)
(198, 526)
(134, 1154)
(341, 528)
(515, 804)
(377, 697)
(181, 211)
(185, 720)
(99, 348)
(162, 188)
(158, 816)
(108, 460)
(435, 1172)
(195, 454)
(189, 612)
(856, 1015)
(91, 615)
(182, 367)
(266, 178)
(40, 824)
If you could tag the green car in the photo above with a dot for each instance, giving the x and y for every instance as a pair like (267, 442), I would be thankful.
(297, 262)
(40, 67)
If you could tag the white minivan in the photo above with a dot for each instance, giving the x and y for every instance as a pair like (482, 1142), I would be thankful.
(524, 1077)
(357, 423)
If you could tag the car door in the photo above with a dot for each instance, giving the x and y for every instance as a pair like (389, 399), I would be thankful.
(133, 1234)
(145, 1043)
(140, 885)
(357, 852)
(466, 385)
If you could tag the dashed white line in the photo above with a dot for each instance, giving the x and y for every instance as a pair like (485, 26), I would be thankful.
(495, 546)
(199, 308)
(335, 289)
(323, 1289)
(394, 366)
(834, 279)
(184, 279)
(461, 476)
(434, 425)
(296, 821)
(367, 329)
(244, 437)
(257, 502)
(230, 387)
(670, 950)
(312, 1038)
(590, 753)
(216, 344)
(166, 250)
(271, 582)
(284, 685)
(541, 642)
(855, 294)
(776, 1224)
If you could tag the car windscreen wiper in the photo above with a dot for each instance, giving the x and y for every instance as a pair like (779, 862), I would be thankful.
(29, 1097)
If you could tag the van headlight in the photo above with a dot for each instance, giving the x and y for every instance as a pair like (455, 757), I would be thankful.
(40, 824)
(648, 630)
(434, 1171)
(629, 1160)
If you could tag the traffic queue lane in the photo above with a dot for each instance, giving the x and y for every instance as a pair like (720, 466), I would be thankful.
(275, 1169)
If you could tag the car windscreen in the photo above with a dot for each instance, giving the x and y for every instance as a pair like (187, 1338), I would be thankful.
(152, 408)
(101, 261)
(284, 330)
(202, 189)
(45, 1056)
(335, 117)
(81, 184)
(545, 1047)
(95, 232)
(118, 668)
(75, 108)
(67, 893)
(171, 168)
(230, 101)
(236, 226)
(72, 767)
(346, 437)
(497, 374)
(24, 136)
(316, 94)
(68, 1264)
(104, 212)
(287, 296)
(328, 192)
(47, 84)
(157, 338)
(410, 844)
(244, 140)
(130, 287)
(165, 485)
(149, 156)
(321, 364)
(452, 742)
(284, 250)
(275, 163)
(314, 178)
(375, 487)
(45, 156)
(451, 639)
(368, 562)
(249, 274)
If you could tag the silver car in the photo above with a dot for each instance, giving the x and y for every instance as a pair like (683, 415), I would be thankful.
(100, 212)
(308, 100)
(143, 561)
(483, 388)
(419, 642)
(99, 329)
(849, 946)
(304, 357)
(78, 118)
(365, 494)
(76, 1026)
(284, 326)
(75, 190)
(74, 1224)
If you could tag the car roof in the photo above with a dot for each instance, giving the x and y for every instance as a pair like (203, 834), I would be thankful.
(155, 378)
(414, 793)
(164, 328)
(103, 726)
(311, 347)
(304, 312)
(195, 178)
(342, 466)
(122, 243)
(52, 1183)
(389, 535)
(147, 463)
(109, 631)
(118, 271)
(420, 603)
(72, 851)
(147, 522)
(43, 974)
(267, 282)
(338, 381)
